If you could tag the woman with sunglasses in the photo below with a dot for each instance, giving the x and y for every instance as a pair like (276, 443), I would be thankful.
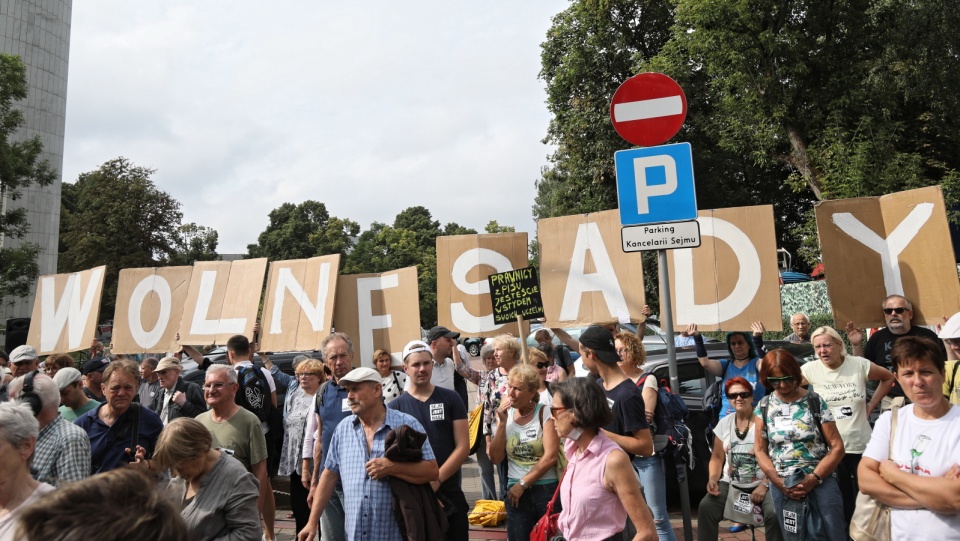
(540, 361)
(734, 462)
(798, 451)
(841, 380)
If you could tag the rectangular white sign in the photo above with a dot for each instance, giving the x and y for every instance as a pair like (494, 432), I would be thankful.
(641, 238)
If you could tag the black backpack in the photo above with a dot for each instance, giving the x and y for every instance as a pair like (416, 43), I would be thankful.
(254, 393)
(670, 426)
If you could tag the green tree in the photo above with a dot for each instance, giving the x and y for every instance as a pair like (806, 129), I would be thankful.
(195, 243)
(494, 227)
(20, 167)
(119, 219)
(303, 231)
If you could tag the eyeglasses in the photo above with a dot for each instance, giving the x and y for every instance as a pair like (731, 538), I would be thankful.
(744, 395)
(306, 374)
(897, 311)
(777, 381)
(543, 365)
(217, 385)
(554, 410)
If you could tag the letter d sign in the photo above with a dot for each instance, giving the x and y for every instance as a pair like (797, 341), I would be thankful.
(655, 184)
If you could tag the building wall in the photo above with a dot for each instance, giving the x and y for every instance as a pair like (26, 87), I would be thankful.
(39, 32)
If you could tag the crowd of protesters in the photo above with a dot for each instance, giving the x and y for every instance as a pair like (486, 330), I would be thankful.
(376, 453)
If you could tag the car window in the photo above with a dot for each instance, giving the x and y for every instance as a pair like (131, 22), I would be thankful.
(692, 381)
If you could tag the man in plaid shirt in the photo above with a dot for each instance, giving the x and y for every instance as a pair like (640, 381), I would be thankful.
(62, 454)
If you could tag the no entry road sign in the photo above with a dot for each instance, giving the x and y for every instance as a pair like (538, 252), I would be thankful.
(648, 109)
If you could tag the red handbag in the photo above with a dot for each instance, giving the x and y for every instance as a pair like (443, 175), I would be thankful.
(546, 528)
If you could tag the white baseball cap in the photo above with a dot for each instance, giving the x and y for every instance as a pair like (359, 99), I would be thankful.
(951, 329)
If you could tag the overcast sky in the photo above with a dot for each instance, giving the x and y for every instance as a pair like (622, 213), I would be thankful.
(370, 107)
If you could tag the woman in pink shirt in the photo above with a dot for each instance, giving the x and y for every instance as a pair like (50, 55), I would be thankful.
(607, 490)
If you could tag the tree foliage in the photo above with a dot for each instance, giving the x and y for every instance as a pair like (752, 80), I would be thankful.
(116, 216)
(303, 231)
(195, 243)
(20, 167)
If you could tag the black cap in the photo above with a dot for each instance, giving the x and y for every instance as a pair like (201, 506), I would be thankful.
(96, 364)
(600, 341)
(438, 332)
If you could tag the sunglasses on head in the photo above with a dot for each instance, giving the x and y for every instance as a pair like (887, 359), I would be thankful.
(784, 379)
(897, 311)
(543, 365)
(744, 395)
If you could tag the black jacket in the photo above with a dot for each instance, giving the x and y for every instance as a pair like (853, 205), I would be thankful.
(193, 406)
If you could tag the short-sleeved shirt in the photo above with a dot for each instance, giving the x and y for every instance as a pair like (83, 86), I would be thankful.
(845, 391)
(793, 440)
(496, 388)
(367, 503)
(924, 447)
(393, 386)
(108, 443)
(239, 436)
(71, 415)
(62, 454)
(629, 414)
(741, 467)
(878, 350)
(334, 409)
(437, 415)
(748, 372)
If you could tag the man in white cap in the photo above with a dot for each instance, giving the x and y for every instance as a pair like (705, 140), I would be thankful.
(24, 360)
(180, 398)
(368, 500)
(950, 334)
(74, 402)
(442, 414)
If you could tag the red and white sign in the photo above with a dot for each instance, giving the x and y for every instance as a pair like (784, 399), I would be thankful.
(648, 109)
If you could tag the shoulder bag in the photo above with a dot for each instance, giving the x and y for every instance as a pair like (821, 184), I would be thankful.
(871, 519)
(547, 528)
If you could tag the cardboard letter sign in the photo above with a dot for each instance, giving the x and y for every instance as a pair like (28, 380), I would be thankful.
(149, 308)
(584, 274)
(515, 293)
(463, 264)
(378, 311)
(899, 244)
(65, 311)
(732, 279)
(223, 300)
(298, 309)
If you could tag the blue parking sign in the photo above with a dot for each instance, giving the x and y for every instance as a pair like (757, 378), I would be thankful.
(655, 184)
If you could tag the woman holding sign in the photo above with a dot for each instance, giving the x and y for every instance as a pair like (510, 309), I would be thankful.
(743, 361)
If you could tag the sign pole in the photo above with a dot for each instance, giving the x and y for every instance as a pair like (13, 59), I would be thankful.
(667, 326)
(524, 356)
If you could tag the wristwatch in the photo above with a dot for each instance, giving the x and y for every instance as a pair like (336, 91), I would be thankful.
(819, 479)
(523, 483)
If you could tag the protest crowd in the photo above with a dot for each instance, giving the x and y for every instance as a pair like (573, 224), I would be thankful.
(377, 453)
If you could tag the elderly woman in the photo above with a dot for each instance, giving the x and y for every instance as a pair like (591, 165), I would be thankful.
(18, 439)
(217, 494)
(110, 425)
(798, 448)
(921, 480)
(734, 462)
(488, 489)
(841, 380)
(299, 407)
(649, 468)
(526, 437)
(599, 489)
(394, 381)
(506, 353)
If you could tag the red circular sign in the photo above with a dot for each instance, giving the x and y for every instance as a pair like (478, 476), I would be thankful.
(648, 109)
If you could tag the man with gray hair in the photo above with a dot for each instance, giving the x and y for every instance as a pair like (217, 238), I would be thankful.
(800, 324)
(62, 453)
(178, 398)
(24, 360)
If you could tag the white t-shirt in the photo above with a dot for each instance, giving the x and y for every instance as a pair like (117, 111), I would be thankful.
(926, 448)
(8, 522)
(740, 468)
(845, 391)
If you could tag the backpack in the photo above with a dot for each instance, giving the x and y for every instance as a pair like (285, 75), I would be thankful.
(671, 434)
(712, 397)
(254, 394)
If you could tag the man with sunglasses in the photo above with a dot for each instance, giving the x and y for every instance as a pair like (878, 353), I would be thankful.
(898, 313)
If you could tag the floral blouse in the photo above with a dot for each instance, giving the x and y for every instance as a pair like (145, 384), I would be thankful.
(793, 440)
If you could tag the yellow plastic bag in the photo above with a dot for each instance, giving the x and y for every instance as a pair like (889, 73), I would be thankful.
(474, 426)
(488, 513)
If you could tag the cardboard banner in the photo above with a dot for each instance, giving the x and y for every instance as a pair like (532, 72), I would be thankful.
(584, 274)
(873, 247)
(298, 309)
(149, 308)
(732, 279)
(223, 300)
(463, 264)
(515, 294)
(65, 311)
(378, 311)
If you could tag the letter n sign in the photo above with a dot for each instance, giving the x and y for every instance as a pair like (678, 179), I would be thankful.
(655, 184)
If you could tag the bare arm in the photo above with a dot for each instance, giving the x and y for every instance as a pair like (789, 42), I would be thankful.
(763, 457)
(497, 449)
(640, 443)
(327, 482)
(872, 484)
(885, 377)
(619, 478)
(461, 438)
(855, 336)
(715, 467)
(464, 368)
(564, 337)
(649, 401)
(711, 366)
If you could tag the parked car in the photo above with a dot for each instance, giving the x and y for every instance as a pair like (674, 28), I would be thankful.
(694, 382)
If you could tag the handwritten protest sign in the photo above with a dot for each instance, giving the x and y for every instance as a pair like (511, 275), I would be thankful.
(515, 294)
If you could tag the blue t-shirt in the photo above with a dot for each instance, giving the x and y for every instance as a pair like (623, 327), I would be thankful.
(436, 415)
(107, 443)
(747, 372)
(629, 414)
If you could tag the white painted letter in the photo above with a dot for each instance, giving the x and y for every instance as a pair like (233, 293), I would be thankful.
(158, 284)
(368, 321)
(314, 312)
(748, 280)
(202, 325)
(644, 190)
(889, 248)
(474, 257)
(604, 280)
(72, 311)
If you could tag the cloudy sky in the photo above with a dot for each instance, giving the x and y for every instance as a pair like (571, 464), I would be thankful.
(370, 107)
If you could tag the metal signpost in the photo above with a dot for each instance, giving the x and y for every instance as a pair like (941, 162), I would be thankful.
(656, 194)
